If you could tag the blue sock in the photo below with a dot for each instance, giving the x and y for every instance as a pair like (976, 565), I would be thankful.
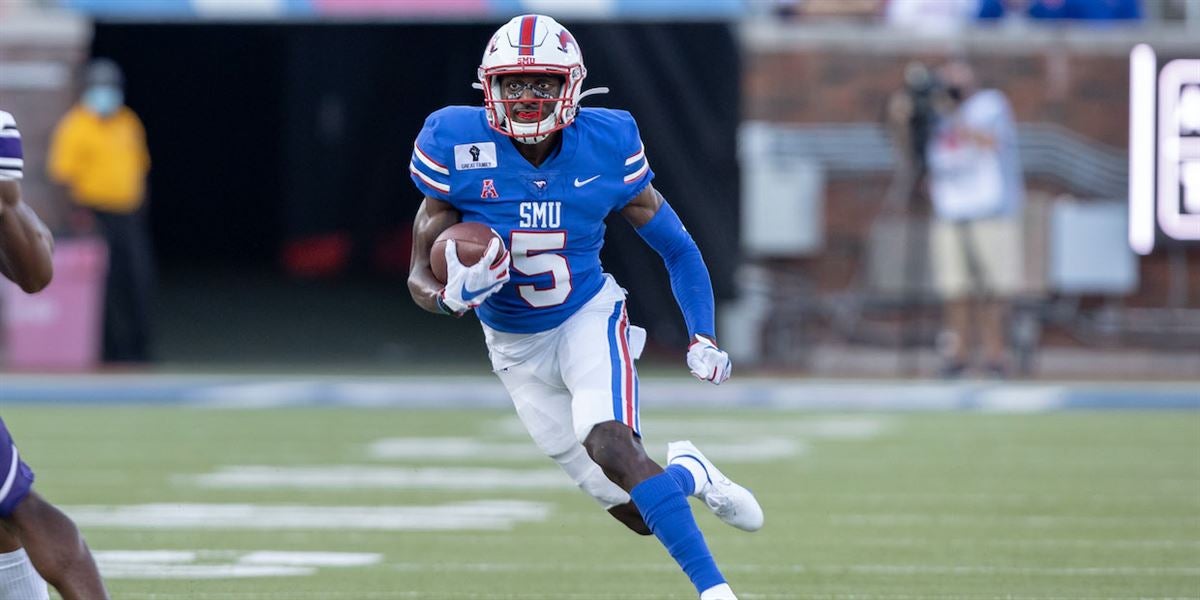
(665, 509)
(684, 477)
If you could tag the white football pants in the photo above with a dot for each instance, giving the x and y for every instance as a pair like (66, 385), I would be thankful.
(565, 380)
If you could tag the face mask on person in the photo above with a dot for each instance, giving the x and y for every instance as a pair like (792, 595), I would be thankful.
(104, 100)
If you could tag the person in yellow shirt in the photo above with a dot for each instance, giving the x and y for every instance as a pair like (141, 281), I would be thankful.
(99, 153)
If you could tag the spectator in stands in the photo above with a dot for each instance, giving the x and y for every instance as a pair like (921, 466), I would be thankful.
(99, 153)
(829, 10)
(931, 16)
(977, 244)
(1077, 10)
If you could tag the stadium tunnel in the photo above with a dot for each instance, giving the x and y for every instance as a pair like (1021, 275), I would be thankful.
(280, 153)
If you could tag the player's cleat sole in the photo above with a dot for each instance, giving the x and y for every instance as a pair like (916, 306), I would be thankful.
(731, 502)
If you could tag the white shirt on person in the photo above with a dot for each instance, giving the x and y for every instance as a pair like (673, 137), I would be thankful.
(973, 178)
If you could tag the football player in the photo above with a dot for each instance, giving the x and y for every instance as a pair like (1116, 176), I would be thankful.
(35, 537)
(544, 173)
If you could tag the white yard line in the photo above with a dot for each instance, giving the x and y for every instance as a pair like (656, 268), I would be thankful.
(133, 557)
(343, 477)
(452, 448)
(193, 572)
(480, 515)
(311, 559)
(223, 564)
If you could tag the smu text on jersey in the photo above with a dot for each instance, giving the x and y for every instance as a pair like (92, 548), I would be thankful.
(540, 215)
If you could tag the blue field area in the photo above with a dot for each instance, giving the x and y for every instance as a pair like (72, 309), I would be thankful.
(263, 391)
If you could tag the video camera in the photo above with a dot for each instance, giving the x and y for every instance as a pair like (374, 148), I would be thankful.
(922, 87)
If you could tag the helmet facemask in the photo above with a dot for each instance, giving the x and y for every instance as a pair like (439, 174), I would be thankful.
(526, 112)
(532, 45)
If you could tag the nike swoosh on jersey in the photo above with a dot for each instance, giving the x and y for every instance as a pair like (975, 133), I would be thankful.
(579, 183)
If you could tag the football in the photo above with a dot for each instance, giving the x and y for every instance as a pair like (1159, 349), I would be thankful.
(472, 241)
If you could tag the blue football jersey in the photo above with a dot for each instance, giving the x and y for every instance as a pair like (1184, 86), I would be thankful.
(551, 217)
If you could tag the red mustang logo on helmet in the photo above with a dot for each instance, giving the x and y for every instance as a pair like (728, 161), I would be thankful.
(565, 41)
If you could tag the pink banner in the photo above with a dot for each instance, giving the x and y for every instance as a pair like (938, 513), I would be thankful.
(58, 328)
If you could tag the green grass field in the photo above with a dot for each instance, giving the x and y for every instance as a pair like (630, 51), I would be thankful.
(946, 505)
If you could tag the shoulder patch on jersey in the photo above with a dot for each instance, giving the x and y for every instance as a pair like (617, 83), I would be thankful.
(476, 155)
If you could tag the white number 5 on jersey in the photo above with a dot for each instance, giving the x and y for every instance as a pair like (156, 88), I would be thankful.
(531, 255)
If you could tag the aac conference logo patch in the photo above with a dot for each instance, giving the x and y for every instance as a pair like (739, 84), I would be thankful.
(478, 155)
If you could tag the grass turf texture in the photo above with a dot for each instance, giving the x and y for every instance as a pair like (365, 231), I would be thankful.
(947, 505)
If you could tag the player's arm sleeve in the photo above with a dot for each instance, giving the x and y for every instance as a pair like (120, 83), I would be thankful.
(430, 158)
(637, 172)
(12, 160)
(689, 275)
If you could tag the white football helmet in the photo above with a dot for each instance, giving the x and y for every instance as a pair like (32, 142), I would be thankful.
(534, 44)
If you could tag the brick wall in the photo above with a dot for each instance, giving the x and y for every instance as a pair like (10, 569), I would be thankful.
(818, 79)
(39, 59)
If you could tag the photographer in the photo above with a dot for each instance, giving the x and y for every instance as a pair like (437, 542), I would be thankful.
(962, 141)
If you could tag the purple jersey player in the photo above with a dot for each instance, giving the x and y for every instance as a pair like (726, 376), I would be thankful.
(544, 174)
(36, 540)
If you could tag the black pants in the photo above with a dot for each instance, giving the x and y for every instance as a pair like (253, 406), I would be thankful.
(128, 287)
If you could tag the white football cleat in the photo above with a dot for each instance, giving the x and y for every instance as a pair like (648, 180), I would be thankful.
(731, 502)
(718, 592)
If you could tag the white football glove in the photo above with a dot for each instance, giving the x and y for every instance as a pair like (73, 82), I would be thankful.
(707, 362)
(468, 286)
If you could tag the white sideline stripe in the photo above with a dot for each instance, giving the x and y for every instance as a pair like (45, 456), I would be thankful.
(865, 569)
(451, 448)
(492, 515)
(1032, 399)
(767, 394)
(372, 477)
(253, 395)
